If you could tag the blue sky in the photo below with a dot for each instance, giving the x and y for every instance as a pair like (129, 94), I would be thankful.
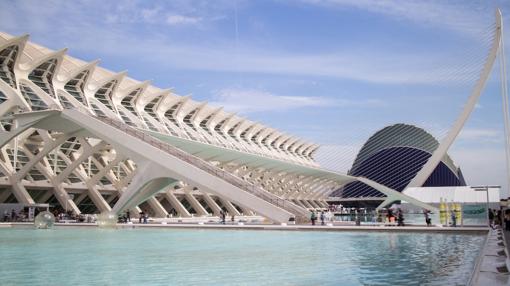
(330, 71)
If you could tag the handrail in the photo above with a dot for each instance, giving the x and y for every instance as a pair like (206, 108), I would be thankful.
(202, 164)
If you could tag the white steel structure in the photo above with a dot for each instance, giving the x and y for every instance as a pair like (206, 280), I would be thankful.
(72, 127)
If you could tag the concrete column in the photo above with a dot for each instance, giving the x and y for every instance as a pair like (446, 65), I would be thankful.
(98, 199)
(195, 203)
(324, 204)
(300, 203)
(157, 207)
(246, 211)
(64, 199)
(212, 204)
(230, 208)
(181, 210)
(21, 193)
(314, 204)
(4, 195)
(306, 204)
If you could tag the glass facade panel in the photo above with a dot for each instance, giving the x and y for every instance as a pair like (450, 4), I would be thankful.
(104, 94)
(42, 76)
(7, 60)
(32, 99)
(76, 87)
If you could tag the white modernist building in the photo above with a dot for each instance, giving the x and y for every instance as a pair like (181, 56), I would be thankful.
(92, 140)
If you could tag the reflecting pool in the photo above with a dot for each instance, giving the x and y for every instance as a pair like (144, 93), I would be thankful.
(78, 256)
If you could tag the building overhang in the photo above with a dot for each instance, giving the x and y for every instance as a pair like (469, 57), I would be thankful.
(216, 153)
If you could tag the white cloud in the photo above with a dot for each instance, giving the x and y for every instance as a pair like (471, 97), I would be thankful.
(182, 20)
(368, 65)
(252, 100)
(150, 14)
(481, 135)
(157, 12)
(390, 68)
(458, 16)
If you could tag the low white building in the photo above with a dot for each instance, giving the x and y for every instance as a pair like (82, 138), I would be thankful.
(463, 195)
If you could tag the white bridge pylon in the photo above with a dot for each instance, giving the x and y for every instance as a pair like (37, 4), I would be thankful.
(452, 134)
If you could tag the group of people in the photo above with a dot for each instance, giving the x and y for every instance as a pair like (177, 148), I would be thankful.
(142, 217)
(390, 217)
(323, 216)
(498, 218)
(399, 217)
(126, 217)
(327, 216)
(223, 217)
(12, 215)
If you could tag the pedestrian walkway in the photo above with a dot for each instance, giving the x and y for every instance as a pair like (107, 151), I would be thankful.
(261, 226)
(493, 265)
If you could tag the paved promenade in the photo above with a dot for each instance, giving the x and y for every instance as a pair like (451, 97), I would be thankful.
(236, 226)
(493, 262)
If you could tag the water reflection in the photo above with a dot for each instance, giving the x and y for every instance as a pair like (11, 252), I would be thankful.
(207, 257)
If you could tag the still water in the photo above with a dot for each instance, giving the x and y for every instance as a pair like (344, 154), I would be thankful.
(234, 257)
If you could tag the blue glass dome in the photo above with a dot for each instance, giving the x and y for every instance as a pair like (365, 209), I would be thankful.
(393, 156)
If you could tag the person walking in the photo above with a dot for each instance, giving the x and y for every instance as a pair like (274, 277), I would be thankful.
(454, 218)
(428, 221)
(322, 216)
(498, 218)
(491, 218)
(128, 216)
(400, 218)
(390, 216)
(13, 215)
(313, 217)
(507, 219)
(223, 216)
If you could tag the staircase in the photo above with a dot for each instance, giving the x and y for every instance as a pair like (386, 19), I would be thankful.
(301, 215)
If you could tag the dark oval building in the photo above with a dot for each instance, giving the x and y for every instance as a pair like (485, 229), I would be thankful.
(393, 156)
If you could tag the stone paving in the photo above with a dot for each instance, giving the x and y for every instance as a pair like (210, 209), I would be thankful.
(290, 227)
(494, 263)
